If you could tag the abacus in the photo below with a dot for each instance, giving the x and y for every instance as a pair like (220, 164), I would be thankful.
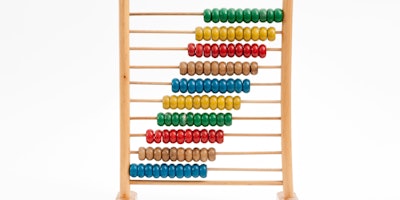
(191, 124)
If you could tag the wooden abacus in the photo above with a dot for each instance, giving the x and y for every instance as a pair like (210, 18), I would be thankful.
(144, 174)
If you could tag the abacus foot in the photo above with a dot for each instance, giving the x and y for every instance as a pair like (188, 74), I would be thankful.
(281, 197)
(133, 196)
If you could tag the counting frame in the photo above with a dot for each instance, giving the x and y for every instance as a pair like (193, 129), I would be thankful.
(184, 162)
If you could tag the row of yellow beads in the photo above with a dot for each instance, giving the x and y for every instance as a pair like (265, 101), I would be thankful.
(223, 33)
(204, 102)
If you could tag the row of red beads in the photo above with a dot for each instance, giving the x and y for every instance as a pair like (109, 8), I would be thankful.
(224, 50)
(184, 136)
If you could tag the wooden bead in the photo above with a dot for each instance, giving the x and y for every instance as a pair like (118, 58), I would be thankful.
(173, 102)
(165, 102)
(239, 33)
(205, 102)
(213, 102)
(222, 68)
(181, 154)
(263, 33)
(211, 154)
(236, 103)
(149, 153)
(221, 102)
(165, 154)
(223, 33)
(207, 68)
(199, 68)
(254, 68)
(228, 103)
(247, 34)
(181, 102)
(173, 154)
(214, 68)
(230, 68)
(255, 33)
(245, 69)
(196, 154)
(188, 102)
(215, 33)
(271, 34)
(142, 153)
(231, 34)
(238, 69)
(203, 155)
(188, 154)
(183, 67)
(196, 102)
(207, 33)
(206, 50)
(191, 68)
(157, 154)
(199, 33)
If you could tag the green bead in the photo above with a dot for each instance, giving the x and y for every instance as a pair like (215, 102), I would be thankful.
(189, 119)
(197, 119)
(205, 119)
(182, 119)
(207, 15)
(220, 119)
(215, 15)
(160, 119)
(270, 15)
(231, 15)
(213, 119)
(263, 15)
(175, 119)
(239, 15)
(168, 119)
(223, 15)
(228, 119)
(278, 15)
(247, 15)
(255, 15)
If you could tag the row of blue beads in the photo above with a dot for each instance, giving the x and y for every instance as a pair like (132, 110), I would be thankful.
(208, 85)
(171, 171)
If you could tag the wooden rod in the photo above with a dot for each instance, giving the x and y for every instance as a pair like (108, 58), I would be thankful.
(243, 101)
(226, 182)
(165, 13)
(234, 118)
(171, 31)
(169, 83)
(177, 67)
(246, 169)
(176, 49)
(228, 134)
(238, 153)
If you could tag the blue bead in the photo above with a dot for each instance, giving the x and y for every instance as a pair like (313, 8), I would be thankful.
(183, 85)
(230, 85)
(187, 171)
(214, 85)
(207, 85)
(133, 170)
(203, 171)
(222, 86)
(171, 171)
(246, 86)
(148, 169)
(179, 170)
(175, 85)
(140, 170)
(238, 85)
(191, 86)
(156, 171)
(164, 171)
(199, 85)
(195, 170)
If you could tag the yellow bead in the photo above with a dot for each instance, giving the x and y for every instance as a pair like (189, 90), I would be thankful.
(173, 102)
(215, 33)
(231, 34)
(236, 103)
(247, 34)
(263, 33)
(196, 102)
(239, 33)
(199, 33)
(255, 33)
(205, 102)
(189, 102)
(221, 102)
(271, 34)
(223, 33)
(207, 33)
(213, 102)
(181, 102)
(165, 102)
(228, 103)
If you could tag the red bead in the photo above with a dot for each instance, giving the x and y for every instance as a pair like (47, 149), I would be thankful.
(165, 136)
(204, 136)
(223, 50)
(239, 50)
(207, 50)
(199, 50)
(149, 136)
(191, 49)
(172, 136)
(157, 136)
(231, 50)
(214, 50)
(188, 136)
(180, 136)
(196, 136)
(262, 51)
(220, 136)
(254, 50)
(211, 136)
(246, 50)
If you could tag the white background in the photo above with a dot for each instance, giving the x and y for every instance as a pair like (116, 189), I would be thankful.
(59, 100)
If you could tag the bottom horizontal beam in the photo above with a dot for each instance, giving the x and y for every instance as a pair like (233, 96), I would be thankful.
(157, 182)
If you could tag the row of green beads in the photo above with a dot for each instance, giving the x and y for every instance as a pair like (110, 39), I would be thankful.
(197, 119)
(247, 15)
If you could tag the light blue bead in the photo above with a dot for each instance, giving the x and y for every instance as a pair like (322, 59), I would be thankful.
(199, 85)
(164, 171)
(222, 86)
(187, 171)
(191, 86)
(179, 171)
(133, 170)
(148, 170)
(171, 171)
(175, 85)
(140, 170)
(195, 170)
(207, 85)
(214, 85)
(238, 85)
(246, 86)
(230, 85)
(156, 171)
(183, 85)
(203, 171)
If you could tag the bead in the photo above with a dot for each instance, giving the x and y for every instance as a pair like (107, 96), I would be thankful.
(183, 68)
(230, 85)
(213, 102)
(181, 154)
(182, 118)
(199, 85)
(164, 171)
(271, 33)
(191, 68)
(207, 67)
(214, 68)
(211, 154)
(197, 119)
(204, 136)
(133, 170)
(203, 171)
(195, 170)
(175, 119)
(172, 136)
(157, 154)
(223, 15)
(263, 15)
(207, 15)
(254, 68)
(214, 51)
(140, 170)
(262, 51)
(196, 136)
(212, 119)
(157, 136)
(199, 33)
(199, 68)
(189, 119)
(188, 154)
(214, 85)
(236, 103)
(165, 136)
(168, 119)
(222, 68)
(223, 50)
(173, 154)
(199, 50)
(191, 49)
(187, 171)
(188, 136)
(180, 136)
(223, 33)
(207, 33)
(231, 15)
(230, 68)
(160, 119)
(215, 15)
(246, 50)
(239, 15)
(246, 86)
(173, 102)
(263, 33)
(215, 33)
(238, 69)
(221, 102)
(204, 119)
(181, 102)
(228, 119)
(156, 171)
(196, 154)
(219, 136)
(278, 15)
(183, 85)
(228, 103)
(205, 102)
(206, 50)
(231, 34)
(247, 34)
(171, 171)
(165, 154)
(203, 155)
(149, 136)
(255, 33)
(188, 103)
(239, 33)
(255, 15)
(220, 119)
(196, 102)
(239, 49)
(247, 15)
(149, 153)
(207, 85)
(246, 68)
(179, 171)
(254, 50)
(191, 86)
(142, 153)
(211, 136)
(222, 86)
(231, 50)
(270, 15)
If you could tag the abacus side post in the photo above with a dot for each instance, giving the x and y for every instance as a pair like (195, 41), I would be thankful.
(132, 196)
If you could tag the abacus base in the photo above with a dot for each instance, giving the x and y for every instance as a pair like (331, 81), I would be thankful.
(281, 197)
(133, 196)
